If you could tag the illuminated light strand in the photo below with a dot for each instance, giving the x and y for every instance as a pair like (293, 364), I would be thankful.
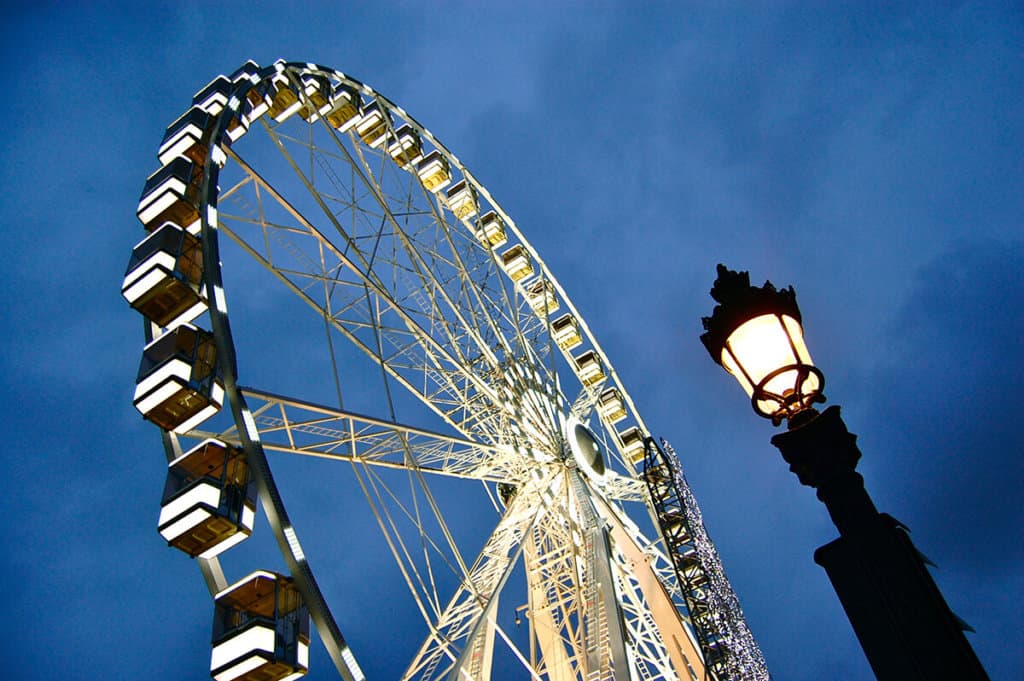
(745, 660)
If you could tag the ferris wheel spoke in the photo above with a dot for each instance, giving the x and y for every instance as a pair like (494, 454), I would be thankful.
(424, 360)
(453, 334)
(461, 639)
(584, 403)
(441, 273)
(402, 528)
(657, 632)
(290, 425)
(415, 358)
(465, 259)
(617, 487)
(395, 214)
(470, 613)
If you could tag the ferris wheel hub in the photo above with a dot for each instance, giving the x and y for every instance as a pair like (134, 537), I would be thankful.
(584, 448)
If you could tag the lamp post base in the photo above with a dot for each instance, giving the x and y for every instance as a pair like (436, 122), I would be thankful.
(902, 621)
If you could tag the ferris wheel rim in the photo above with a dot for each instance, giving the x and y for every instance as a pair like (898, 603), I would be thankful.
(245, 425)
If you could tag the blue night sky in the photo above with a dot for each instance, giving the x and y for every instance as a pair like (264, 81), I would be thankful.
(868, 154)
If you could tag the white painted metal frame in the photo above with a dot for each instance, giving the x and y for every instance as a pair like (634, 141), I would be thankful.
(410, 277)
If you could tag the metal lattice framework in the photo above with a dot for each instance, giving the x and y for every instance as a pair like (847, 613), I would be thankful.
(725, 639)
(437, 287)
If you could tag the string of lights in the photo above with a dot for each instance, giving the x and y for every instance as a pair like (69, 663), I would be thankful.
(727, 642)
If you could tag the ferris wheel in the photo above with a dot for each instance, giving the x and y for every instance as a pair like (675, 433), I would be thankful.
(478, 366)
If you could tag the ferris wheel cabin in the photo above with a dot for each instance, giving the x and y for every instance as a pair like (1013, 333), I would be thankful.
(165, 276)
(407, 147)
(590, 368)
(372, 127)
(517, 263)
(566, 332)
(540, 293)
(610, 406)
(284, 101)
(491, 230)
(188, 136)
(462, 200)
(260, 631)
(434, 171)
(317, 90)
(633, 445)
(213, 96)
(171, 194)
(209, 501)
(178, 386)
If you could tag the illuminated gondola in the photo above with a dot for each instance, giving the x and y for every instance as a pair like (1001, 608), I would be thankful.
(209, 501)
(260, 631)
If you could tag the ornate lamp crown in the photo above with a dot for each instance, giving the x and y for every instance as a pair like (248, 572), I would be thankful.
(740, 302)
(756, 335)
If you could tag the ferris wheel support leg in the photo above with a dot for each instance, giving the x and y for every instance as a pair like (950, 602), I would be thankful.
(681, 647)
(475, 662)
(543, 626)
(612, 614)
(605, 617)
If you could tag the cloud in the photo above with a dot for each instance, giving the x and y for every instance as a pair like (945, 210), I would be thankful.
(947, 397)
(942, 440)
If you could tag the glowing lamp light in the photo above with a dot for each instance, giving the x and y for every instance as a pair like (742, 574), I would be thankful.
(755, 334)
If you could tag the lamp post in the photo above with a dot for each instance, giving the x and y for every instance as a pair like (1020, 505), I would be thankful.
(898, 614)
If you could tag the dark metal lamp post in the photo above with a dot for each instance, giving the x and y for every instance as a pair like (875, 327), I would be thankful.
(898, 614)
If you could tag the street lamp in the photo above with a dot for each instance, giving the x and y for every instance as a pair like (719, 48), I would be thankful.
(898, 614)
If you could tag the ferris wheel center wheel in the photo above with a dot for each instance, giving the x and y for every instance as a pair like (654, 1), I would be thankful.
(375, 233)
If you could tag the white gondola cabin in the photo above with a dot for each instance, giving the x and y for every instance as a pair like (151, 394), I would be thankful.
(589, 368)
(284, 100)
(540, 293)
(260, 630)
(462, 200)
(209, 501)
(214, 96)
(610, 406)
(178, 385)
(434, 172)
(491, 230)
(516, 262)
(237, 126)
(248, 71)
(345, 108)
(165, 277)
(407, 148)
(632, 445)
(188, 136)
(372, 126)
(566, 332)
(171, 194)
(256, 103)
(317, 100)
